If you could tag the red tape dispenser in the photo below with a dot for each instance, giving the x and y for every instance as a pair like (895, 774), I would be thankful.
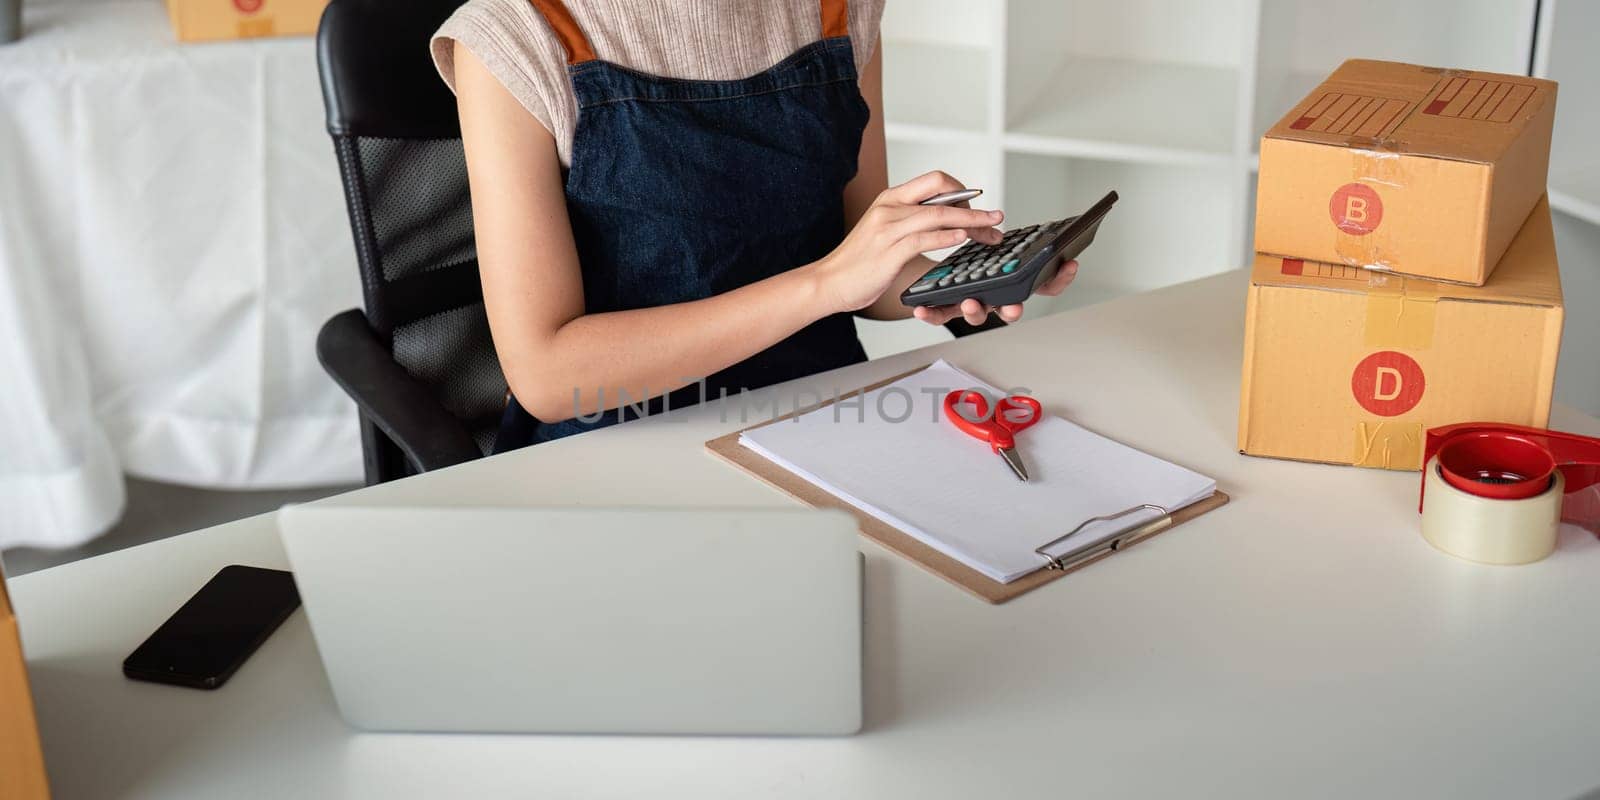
(1497, 493)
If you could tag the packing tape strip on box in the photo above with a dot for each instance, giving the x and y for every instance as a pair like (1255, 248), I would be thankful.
(1497, 494)
(1402, 322)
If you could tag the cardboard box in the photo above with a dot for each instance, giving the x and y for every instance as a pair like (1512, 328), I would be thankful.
(1422, 171)
(21, 758)
(1347, 366)
(204, 20)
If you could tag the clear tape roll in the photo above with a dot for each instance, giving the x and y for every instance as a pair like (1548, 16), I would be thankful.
(1487, 530)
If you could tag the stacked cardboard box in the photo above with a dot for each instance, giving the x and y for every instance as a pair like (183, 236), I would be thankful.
(1406, 274)
(21, 760)
(204, 20)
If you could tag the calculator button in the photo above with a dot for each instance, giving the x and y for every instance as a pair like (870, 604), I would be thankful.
(991, 272)
(1009, 267)
(945, 281)
(921, 287)
(962, 278)
(937, 272)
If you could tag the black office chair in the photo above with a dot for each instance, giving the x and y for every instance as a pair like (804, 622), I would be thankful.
(419, 363)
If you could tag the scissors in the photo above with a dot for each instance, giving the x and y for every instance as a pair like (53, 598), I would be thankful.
(999, 429)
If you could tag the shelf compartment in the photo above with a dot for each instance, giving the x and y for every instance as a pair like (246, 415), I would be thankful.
(1130, 109)
(1576, 191)
(1578, 371)
(1568, 56)
(1170, 224)
(1276, 94)
(932, 89)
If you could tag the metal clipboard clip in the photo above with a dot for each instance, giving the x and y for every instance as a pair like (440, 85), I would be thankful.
(1094, 550)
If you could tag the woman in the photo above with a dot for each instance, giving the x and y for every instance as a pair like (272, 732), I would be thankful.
(685, 197)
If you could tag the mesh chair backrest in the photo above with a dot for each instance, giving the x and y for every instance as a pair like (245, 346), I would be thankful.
(398, 141)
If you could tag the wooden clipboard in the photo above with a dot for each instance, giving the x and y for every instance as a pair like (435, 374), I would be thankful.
(728, 448)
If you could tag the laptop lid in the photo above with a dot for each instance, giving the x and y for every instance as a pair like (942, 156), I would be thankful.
(579, 620)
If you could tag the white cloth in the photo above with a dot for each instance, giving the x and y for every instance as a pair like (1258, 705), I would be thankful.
(172, 235)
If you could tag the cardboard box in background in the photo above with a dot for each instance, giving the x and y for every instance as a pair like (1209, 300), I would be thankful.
(203, 20)
(1421, 171)
(1348, 366)
(21, 758)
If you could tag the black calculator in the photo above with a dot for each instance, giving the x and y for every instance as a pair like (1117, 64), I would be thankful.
(1008, 272)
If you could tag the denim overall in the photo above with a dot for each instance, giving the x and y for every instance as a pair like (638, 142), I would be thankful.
(683, 189)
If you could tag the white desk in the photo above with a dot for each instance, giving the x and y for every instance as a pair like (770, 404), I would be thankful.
(1302, 641)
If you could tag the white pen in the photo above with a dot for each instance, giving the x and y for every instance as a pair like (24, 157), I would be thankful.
(951, 198)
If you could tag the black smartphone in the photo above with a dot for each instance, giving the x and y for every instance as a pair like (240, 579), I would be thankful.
(206, 640)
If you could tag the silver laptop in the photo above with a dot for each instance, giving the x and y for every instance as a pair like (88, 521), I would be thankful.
(584, 620)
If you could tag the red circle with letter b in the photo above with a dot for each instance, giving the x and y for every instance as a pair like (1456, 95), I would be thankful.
(1356, 209)
(1387, 383)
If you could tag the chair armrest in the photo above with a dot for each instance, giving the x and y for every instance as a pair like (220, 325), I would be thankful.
(400, 405)
(959, 327)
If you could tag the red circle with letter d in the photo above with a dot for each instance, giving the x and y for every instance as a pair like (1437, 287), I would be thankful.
(1387, 383)
(1356, 209)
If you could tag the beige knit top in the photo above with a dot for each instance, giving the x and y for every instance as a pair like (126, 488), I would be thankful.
(689, 39)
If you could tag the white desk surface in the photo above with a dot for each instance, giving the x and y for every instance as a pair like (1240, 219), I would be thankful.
(1302, 641)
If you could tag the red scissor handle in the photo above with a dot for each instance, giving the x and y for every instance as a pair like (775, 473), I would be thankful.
(1013, 415)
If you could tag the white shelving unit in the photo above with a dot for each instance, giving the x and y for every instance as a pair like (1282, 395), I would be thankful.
(1567, 53)
(1046, 104)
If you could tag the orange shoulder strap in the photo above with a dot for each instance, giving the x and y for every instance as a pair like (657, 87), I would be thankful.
(835, 18)
(577, 45)
(835, 22)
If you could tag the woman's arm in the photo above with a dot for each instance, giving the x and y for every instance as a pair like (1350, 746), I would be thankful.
(872, 176)
(556, 357)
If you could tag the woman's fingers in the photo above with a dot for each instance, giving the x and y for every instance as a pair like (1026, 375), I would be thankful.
(1062, 279)
(989, 236)
(970, 310)
(927, 218)
(922, 187)
(974, 312)
(925, 241)
(936, 315)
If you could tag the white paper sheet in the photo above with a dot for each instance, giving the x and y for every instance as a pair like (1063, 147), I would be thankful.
(896, 458)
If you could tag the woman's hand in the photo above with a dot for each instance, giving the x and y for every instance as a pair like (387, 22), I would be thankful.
(975, 312)
(893, 231)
